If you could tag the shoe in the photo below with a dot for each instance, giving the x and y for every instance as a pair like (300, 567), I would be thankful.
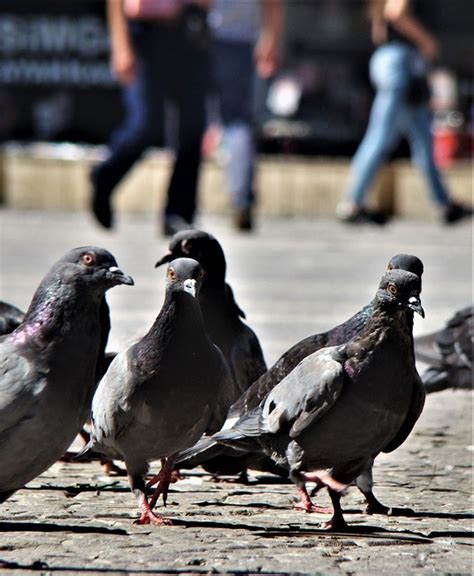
(175, 223)
(455, 212)
(358, 215)
(101, 209)
(243, 219)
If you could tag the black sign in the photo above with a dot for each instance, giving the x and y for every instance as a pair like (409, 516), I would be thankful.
(55, 80)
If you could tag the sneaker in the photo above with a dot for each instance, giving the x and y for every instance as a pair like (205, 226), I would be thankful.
(351, 214)
(175, 223)
(243, 219)
(455, 212)
(101, 210)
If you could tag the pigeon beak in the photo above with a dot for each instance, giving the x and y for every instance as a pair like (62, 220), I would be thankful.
(120, 277)
(189, 286)
(415, 305)
(166, 258)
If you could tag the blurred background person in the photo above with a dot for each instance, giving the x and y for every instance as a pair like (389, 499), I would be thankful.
(398, 70)
(246, 38)
(160, 52)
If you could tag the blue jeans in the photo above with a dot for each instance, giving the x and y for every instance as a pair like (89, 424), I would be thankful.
(233, 75)
(392, 116)
(172, 66)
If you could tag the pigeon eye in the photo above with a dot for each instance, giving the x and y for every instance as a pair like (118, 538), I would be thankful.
(390, 266)
(392, 289)
(89, 258)
(171, 274)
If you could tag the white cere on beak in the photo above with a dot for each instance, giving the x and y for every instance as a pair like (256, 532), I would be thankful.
(114, 269)
(413, 300)
(190, 287)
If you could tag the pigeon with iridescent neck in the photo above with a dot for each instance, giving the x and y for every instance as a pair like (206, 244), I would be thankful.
(162, 393)
(48, 365)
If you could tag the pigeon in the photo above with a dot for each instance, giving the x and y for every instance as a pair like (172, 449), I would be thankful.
(162, 393)
(207, 449)
(222, 316)
(338, 335)
(10, 318)
(342, 405)
(224, 323)
(448, 353)
(48, 365)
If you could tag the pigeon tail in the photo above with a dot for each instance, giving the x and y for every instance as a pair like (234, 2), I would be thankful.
(89, 452)
(201, 452)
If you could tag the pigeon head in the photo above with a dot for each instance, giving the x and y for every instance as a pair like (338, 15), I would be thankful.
(400, 290)
(79, 277)
(406, 262)
(94, 266)
(184, 275)
(201, 246)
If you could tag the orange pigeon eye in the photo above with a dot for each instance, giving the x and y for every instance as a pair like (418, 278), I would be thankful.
(392, 289)
(171, 274)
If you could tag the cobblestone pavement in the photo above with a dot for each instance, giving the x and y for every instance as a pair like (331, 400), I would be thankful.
(293, 278)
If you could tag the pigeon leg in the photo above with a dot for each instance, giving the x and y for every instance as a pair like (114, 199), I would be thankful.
(175, 475)
(324, 480)
(147, 516)
(337, 522)
(305, 503)
(365, 484)
(165, 479)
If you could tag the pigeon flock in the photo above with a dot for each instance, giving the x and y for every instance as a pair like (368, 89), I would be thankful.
(195, 389)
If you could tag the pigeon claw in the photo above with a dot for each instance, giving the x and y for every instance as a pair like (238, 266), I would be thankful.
(149, 517)
(336, 524)
(312, 508)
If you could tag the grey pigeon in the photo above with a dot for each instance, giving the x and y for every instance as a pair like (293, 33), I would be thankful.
(48, 364)
(207, 449)
(10, 318)
(341, 406)
(161, 394)
(448, 353)
(224, 323)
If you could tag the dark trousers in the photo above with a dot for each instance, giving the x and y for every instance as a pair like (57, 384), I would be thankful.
(172, 65)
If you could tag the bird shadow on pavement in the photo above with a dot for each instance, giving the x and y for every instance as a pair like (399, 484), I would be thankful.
(295, 531)
(72, 490)
(21, 526)
(443, 515)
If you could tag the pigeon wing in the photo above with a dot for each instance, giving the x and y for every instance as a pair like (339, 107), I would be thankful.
(226, 393)
(115, 400)
(305, 395)
(416, 407)
(20, 382)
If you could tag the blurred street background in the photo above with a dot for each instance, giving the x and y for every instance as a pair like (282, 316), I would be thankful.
(60, 102)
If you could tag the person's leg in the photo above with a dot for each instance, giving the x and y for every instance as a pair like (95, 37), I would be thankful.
(143, 103)
(233, 69)
(188, 79)
(389, 74)
(417, 125)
